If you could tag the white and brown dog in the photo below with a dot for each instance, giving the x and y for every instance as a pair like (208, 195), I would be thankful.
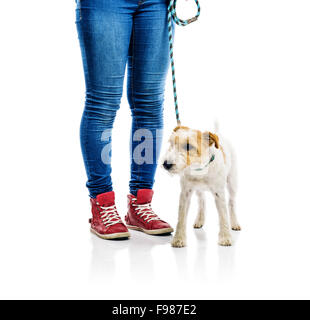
(204, 161)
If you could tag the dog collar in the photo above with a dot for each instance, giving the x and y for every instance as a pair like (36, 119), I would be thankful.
(211, 160)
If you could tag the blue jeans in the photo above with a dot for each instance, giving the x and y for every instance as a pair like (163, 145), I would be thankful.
(113, 34)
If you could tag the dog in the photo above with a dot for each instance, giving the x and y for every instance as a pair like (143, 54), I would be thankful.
(205, 162)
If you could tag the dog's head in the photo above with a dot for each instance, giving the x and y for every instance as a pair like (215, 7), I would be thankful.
(188, 148)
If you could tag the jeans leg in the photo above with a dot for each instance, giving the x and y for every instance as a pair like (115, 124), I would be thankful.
(104, 29)
(147, 70)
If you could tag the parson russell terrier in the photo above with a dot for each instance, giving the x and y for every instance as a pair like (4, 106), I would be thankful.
(204, 161)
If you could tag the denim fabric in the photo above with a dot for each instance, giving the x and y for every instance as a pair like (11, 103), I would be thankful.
(113, 34)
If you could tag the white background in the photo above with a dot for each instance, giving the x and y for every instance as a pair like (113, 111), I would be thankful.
(246, 63)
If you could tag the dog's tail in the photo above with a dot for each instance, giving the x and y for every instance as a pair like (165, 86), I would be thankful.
(216, 126)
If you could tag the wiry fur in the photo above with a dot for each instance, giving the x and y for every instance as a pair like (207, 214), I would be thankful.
(197, 176)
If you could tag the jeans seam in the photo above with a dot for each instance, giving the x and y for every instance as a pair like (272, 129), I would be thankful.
(132, 93)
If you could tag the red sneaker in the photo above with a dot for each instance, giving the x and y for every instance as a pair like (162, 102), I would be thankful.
(141, 216)
(106, 223)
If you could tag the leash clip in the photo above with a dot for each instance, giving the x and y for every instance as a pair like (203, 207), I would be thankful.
(192, 20)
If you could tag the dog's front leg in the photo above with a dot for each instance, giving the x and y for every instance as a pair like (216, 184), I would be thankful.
(200, 220)
(179, 239)
(224, 236)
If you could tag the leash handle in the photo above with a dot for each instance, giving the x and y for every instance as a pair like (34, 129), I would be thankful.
(172, 16)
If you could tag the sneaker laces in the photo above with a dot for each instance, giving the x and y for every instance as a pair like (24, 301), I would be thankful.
(109, 216)
(145, 211)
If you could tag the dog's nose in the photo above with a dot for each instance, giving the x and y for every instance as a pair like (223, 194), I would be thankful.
(167, 165)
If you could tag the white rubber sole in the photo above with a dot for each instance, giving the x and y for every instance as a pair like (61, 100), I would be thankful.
(112, 236)
(151, 232)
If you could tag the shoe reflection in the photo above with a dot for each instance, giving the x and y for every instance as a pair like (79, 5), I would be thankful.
(104, 255)
(141, 253)
(113, 258)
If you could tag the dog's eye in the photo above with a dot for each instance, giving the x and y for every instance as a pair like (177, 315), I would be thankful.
(188, 147)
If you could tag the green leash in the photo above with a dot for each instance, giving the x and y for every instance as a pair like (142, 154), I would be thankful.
(172, 15)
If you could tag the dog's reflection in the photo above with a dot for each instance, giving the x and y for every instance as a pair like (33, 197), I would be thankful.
(135, 254)
(200, 262)
(226, 270)
(200, 266)
(181, 262)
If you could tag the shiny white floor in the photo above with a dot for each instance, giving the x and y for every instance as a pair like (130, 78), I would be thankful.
(55, 256)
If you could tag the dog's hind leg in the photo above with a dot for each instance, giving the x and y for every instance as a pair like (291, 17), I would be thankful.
(232, 189)
(200, 220)
(179, 239)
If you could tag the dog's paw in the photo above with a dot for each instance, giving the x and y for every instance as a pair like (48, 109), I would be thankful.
(198, 225)
(236, 227)
(178, 243)
(225, 240)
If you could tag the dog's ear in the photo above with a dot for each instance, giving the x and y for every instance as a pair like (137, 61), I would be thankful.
(180, 127)
(212, 138)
